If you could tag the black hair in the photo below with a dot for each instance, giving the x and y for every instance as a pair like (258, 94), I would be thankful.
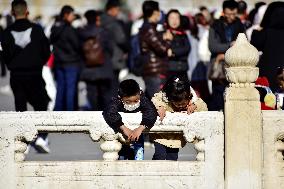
(202, 8)
(128, 87)
(177, 88)
(242, 7)
(170, 12)
(19, 7)
(112, 4)
(185, 23)
(198, 17)
(66, 9)
(91, 16)
(149, 7)
(230, 4)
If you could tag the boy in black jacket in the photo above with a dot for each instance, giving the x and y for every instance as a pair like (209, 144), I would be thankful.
(130, 100)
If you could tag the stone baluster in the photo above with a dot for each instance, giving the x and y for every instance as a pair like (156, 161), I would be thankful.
(111, 146)
(200, 147)
(280, 149)
(243, 131)
(20, 148)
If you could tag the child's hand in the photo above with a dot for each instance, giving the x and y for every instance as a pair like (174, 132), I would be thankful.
(126, 131)
(136, 133)
(162, 112)
(191, 107)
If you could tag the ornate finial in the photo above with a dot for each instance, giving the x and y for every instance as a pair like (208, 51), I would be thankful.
(242, 53)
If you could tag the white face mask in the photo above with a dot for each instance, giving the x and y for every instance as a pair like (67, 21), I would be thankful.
(131, 107)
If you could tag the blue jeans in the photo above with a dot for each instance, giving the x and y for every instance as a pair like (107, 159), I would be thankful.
(165, 153)
(67, 81)
(128, 152)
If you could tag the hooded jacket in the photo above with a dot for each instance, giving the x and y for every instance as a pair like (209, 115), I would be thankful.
(25, 48)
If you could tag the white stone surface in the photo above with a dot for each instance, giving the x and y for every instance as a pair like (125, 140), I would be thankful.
(273, 132)
(243, 134)
(16, 128)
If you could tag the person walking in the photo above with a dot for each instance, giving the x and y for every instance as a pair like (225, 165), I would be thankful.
(222, 35)
(25, 50)
(67, 60)
(99, 77)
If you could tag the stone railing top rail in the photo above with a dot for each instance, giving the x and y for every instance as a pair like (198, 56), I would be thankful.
(45, 121)
(92, 122)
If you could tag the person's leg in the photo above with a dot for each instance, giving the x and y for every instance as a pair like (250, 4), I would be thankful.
(38, 97)
(160, 152)
(3, 69)
(217, 98)
(71, 78)
(92, 95)
(19, 93)
(153, 85)
(60, 89)
(104, 93)
(126, 153)
(139, 148)
(172, 154)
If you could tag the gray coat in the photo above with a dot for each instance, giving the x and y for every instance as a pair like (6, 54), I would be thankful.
(117, 38)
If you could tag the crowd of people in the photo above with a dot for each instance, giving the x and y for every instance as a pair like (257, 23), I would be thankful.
(178, 58)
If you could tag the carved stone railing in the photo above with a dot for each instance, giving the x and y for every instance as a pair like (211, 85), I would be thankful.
(273, 147)
(16, 129)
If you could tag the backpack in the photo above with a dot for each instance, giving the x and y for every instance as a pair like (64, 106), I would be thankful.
(93, 52)
(136, 59)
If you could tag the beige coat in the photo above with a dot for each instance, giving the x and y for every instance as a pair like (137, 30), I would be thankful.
(173, 140)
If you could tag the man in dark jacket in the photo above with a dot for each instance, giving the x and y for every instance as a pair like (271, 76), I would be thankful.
(25, 51)
(67, 60)
(155, 50)
(222, 35)
(117, 37)
(98, 78)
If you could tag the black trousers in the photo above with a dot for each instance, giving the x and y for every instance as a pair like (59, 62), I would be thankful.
(165, 153)
(217, 97)
(99, 94)
(29, 89)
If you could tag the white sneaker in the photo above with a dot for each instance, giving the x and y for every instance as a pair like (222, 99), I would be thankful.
(41, 145)
(6, 90)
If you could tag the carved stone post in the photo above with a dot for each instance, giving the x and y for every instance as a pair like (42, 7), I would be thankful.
(110, 147)
(243, 131)
(12, 146)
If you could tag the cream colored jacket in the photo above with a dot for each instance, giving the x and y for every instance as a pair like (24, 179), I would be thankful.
(174, 140)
